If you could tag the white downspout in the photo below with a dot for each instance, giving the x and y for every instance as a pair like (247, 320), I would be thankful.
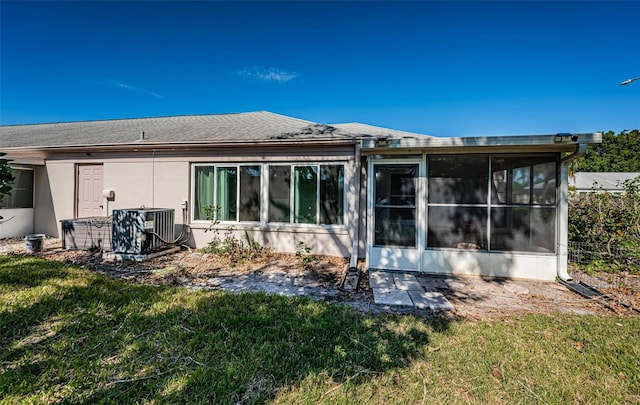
(356, 207)
(563, 214)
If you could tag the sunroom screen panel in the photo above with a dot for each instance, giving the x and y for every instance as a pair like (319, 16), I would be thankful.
(458, 179)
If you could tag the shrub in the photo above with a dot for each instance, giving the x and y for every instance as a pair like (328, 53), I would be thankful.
(303, 252)
(611, 220)
(228, 245)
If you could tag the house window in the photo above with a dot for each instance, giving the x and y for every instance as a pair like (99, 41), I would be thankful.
(232, 191)
(226, 193)
(21, 195)
(249, 209)
(203, 191)
(332, 194)
(279, 193)
(306, 194)
(457, 201)
(523, 199)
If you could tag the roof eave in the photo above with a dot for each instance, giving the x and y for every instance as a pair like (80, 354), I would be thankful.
(149, 145)
(558, 142)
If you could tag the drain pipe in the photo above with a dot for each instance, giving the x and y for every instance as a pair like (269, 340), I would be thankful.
(356, 206)
(563, 214)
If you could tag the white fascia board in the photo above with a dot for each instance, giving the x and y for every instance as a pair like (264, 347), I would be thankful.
(142, 145)
(547, 141)
(28, 161)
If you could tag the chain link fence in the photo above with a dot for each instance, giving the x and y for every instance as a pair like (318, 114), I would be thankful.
(613, 270)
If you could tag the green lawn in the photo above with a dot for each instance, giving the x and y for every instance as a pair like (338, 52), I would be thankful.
(71, 335)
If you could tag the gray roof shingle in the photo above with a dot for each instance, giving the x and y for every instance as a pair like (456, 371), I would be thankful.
(370, 130)
(237, 127)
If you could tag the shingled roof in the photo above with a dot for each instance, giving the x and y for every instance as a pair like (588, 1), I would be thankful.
(218, 128)
(377, 132)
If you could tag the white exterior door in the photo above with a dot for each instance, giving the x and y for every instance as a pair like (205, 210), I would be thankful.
(394, 212)
(89, 186)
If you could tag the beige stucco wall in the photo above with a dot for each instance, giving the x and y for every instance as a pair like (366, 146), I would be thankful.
(16, 222)
(152, 184)
(132, 182)
(286, 239)
(171, 186)
(153, 181)
(54, 196)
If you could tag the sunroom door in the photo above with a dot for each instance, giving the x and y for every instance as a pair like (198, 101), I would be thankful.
(394, 213)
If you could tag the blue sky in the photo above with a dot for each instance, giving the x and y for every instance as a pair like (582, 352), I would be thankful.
(439, 68)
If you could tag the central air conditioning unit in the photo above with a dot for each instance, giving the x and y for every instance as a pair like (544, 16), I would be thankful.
(141, 230)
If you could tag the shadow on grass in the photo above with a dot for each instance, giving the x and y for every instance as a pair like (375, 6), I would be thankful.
(23, 271)
(72, 335)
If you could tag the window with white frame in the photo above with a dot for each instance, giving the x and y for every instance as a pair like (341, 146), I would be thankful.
(21, 195)
(297, 193)
(306, 194)
(232, 191)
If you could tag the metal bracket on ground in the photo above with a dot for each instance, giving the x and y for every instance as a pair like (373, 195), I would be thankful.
(594, 294)
(350, 279)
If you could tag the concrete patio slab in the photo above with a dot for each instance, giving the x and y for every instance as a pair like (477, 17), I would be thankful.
(434, 301)
(381, 279)
(391, 296)
(407, 282)
(432, 283)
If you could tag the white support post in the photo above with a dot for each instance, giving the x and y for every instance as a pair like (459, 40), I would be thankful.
(562, 233)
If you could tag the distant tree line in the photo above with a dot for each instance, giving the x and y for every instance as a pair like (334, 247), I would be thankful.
(617, 153)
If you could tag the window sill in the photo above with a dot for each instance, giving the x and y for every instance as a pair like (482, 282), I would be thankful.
(291, 228)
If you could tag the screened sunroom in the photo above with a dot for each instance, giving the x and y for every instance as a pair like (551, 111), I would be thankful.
(472, 206)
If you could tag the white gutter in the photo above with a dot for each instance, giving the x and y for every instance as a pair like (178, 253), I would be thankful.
(563, 214)
(558, 141)
(356, 207)
(149, 144)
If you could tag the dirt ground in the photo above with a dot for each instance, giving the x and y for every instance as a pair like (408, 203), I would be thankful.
(320, 278)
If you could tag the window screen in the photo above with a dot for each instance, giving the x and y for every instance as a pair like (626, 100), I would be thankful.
(458, 179)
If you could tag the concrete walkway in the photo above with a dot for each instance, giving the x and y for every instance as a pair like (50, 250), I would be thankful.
(403, 289)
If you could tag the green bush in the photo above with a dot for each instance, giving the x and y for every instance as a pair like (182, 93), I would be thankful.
(610, 220)
(228, 245)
